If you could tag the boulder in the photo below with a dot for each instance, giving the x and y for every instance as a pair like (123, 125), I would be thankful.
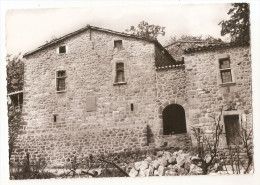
(170, 173)
(160, 153)
(148, 159)
(147, 172)
(156, 173)
(187, 165)
(137, 165)
(172, 159)
(208, 158)
(180, 159)
(176, 167)
(141, 173)
(143, 166)
(133, 173)
(156, 163)
(195, 170)
(182, 171)
(161, 170)
(163, 161)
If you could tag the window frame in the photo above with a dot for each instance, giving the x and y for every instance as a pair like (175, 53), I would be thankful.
(66, 49)
(119, 48)
(228, 69)
(57, 81)
(222, 122)
(116, 82)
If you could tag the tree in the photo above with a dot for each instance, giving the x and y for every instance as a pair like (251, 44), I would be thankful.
(176, 46)
(190, 38)
(15, 67)
(238, 26)
(144, 29)
(15, 73)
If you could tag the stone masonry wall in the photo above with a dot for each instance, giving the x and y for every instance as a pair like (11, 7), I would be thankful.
(206, 95)
(57, 147)
(90, 76)
(171, 85)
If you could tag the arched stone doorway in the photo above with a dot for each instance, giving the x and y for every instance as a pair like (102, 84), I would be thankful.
(174, 121)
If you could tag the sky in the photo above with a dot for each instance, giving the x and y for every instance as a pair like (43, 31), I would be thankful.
(26, 29)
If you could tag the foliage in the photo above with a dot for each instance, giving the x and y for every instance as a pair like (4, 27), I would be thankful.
(199, 38)
(238, 26)
(238, 163)
(187, 41)
(207, 146)
(144, 29)
(15, 73)
(30, 169)
(14, 120)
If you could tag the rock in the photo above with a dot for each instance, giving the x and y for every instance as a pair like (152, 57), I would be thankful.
(137, 165)
(148, 159)
(170, 173)
(182, 171)
(147, 172)
(163, 161)
(208, 158)
(195, 158)
(156, 163)
(156, 173)
(180, 159)
(187, 166)
(151, 168)
(141, 173)
(160, 153)
(143, 166)
(176, 167)
(133, 173)
(167, 155)
(195, 170)
(161, 170)
(172, 159)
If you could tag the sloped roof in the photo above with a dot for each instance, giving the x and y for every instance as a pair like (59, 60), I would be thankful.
(213, 47)
(88, 27)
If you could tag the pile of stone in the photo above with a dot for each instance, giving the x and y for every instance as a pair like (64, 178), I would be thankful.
(166, 164)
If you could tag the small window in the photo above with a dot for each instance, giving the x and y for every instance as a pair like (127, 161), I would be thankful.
(62, 49)
(61, 76)
(225, 70)
(120, 74)
(232, 129)
(54, 118)
(132, 107)
(118, 44)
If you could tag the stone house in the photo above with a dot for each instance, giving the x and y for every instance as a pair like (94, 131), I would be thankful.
(98, 91)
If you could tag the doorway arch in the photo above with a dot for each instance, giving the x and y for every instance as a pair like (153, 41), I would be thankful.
(174, 121)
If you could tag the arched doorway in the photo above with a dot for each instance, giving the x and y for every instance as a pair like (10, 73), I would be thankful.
(174, 121)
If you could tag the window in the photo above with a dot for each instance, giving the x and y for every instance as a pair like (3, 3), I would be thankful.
(232, 129)
(120, 74)
(174, 121)
(118, 44)
(62, 49)
(54, 118)
(225, 70)
(61, 76)
(132, 107)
